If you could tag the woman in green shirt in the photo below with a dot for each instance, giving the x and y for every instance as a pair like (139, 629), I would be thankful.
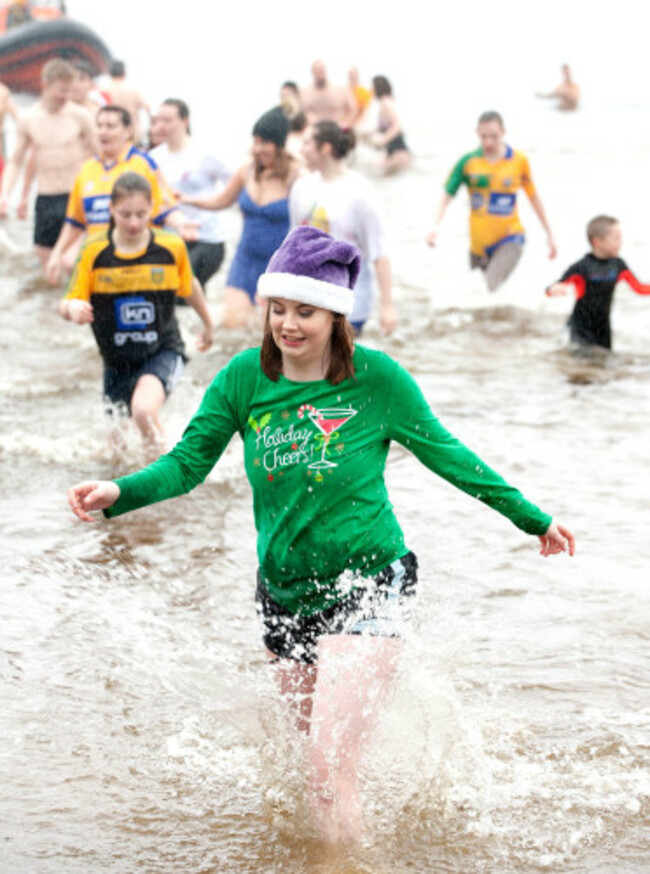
(316, 415)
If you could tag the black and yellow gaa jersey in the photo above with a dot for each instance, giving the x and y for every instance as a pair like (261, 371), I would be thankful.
(132, 296)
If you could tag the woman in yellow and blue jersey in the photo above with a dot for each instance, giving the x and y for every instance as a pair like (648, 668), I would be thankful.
(493, 174)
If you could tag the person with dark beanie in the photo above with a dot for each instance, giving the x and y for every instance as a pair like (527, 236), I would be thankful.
(261, 187)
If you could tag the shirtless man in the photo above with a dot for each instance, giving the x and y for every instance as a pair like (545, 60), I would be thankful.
(62, 136)
(322, 101)
(567, 92)
(121, 94)
(7, 106)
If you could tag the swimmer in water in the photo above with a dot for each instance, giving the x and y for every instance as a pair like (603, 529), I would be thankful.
(336, 580)
(124, 286)
(261, 188)
(593, 281)
(567, 93)
(324, 101)
(493, 174)
(390, 135)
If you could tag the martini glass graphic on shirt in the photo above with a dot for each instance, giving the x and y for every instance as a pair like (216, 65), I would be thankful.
(327, 420)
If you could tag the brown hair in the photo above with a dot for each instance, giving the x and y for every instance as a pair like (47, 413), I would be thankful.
(599, 226)
(57, 70)
(124, 186)
(381, 86)
(342, 140)
(130, 183)
(282, 165)
(341, 351)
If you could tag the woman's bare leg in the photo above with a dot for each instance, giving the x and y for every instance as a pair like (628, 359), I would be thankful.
(295, 682)
(354, 675)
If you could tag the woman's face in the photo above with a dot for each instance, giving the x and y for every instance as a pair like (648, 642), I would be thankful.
(113, 135)
(311, 151)
(131, 214)
(301, 332)
(264, 152)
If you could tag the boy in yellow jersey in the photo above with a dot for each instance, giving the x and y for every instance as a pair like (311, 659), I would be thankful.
(493, 174)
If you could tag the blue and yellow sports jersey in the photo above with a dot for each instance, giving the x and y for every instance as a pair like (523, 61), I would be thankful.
(133, 296)
(493, 190)
(89, 201)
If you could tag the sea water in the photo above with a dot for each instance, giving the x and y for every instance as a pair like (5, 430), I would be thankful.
(139, 725)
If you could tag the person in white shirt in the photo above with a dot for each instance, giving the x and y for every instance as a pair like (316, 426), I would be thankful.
(191, 170)
(340, 202)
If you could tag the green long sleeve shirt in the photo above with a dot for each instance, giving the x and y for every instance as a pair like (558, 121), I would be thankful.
(315, 456)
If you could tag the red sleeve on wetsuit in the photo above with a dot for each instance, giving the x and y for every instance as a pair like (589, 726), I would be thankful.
(578, 281)
(633, 282)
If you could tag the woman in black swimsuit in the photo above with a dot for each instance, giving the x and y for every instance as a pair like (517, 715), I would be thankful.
(390, 135)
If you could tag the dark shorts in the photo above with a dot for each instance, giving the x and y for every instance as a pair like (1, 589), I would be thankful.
(397, 144)
(49, 217)
(119, 385)
(206, 259)
(377, 608)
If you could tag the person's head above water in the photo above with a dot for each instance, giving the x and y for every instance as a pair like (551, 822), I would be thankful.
(326, 141)
(174, 118)
(131, 204)
(57, 78)
(309, 283)
(490, 132)
(114, 130)
(312, 267)
(381, 86)
(319, 72)
(272, 127)
(604, 235)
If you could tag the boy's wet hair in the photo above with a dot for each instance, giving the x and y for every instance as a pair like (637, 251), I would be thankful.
(599, 226)
(57, 70)
(491, 115)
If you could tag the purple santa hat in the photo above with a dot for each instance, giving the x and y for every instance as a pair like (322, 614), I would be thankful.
(313, 268)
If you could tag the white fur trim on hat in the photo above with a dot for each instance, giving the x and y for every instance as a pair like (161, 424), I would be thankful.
(306, 289)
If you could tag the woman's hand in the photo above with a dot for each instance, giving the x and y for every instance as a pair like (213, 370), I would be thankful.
(89, 496)
(557, 539)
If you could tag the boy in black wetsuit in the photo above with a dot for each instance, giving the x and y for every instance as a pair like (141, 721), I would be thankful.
(593, 279)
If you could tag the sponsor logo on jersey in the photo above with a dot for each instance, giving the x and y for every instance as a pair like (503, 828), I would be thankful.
(501, 203)
(157, 275)
(134, 313)
(97, 209)
(476, 200)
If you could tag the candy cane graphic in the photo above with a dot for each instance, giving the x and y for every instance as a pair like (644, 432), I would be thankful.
(306, 408)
